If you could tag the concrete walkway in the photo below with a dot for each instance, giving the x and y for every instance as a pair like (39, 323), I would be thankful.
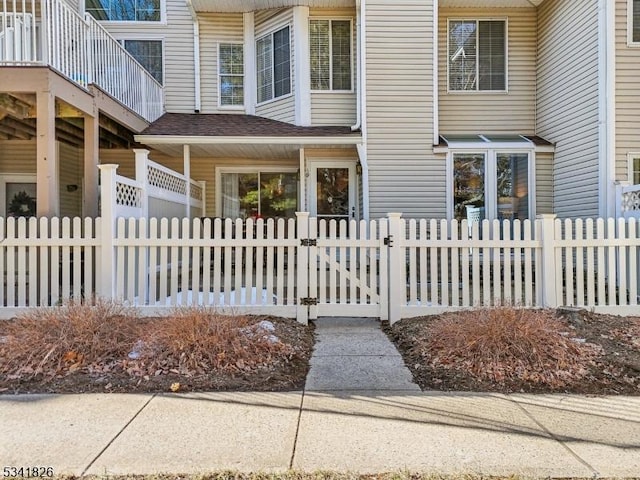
(326, 429)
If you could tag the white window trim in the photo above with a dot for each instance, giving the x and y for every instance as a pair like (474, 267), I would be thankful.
(270, 33)
(506, 57)
(490, 157)
(631, 156)
(244, 74)
(124, 37)
(13, 178)
(630, 42)
(118, 23)
(331, 90)
(247, 169)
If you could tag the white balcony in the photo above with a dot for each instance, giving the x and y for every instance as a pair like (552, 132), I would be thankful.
(51, 32)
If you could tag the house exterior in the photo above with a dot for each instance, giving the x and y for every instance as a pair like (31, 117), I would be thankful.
(342, 108)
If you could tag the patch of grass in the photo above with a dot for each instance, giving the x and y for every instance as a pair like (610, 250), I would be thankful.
(506, 344)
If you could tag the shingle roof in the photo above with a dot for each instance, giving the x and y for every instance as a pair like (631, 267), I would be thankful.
(230, 125)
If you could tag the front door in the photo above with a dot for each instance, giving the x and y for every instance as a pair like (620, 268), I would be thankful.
(332, 190)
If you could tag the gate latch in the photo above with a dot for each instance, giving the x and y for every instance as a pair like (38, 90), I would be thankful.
(308, 301)
(388, 241)
(309, 242)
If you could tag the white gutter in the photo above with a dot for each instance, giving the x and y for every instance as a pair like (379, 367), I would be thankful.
(197, 140)
(436, 80)
(196, 57)
(607, 108)
(358, 66)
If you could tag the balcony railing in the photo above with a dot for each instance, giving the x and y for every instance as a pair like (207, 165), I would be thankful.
(50, 32)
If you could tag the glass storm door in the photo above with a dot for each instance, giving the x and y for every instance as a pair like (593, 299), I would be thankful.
(332, 191)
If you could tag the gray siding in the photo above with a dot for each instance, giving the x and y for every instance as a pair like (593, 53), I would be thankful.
(544, 183)
(405, 176)
(336, 108)
(627, 94)
(214, 29)
(283, 108)
(178, 52)
(567, 103)
(479, 112)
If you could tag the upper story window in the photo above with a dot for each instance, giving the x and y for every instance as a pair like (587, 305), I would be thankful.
(633, 19)
(330, 52)
(477, 55)
(231, 74)
(149, 54)
(273, 64)
(125, 10)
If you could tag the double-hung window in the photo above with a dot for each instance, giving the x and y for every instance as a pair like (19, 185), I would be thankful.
(273, 64)
(330, 52)
(477, 55)
(633, 22)
(231, 74)
(634, 168)
(125, 10)
(149, 54)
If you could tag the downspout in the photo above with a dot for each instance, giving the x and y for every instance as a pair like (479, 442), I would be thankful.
(361, 110)
(436, 80)
(196, 57)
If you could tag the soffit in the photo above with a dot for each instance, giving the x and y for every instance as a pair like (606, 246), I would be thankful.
(253, 5)
(489, 3)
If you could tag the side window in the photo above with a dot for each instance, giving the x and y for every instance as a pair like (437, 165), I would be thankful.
(231, 74)
(634, 168)
(149, 54)
(125, 10)
(633, 22)
(477, 55)
(273, 64)
(330, 52)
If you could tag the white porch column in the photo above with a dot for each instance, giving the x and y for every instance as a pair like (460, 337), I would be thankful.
(47, 185)
(303, 183)
(142, 161)
(187, 175)
(91, 161)
(302, 66)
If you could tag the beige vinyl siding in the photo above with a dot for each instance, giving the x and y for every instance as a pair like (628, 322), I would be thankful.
(70, 172)
(268, 21)
(627, 94)
(544, 183)
(404, 174)
(214, 29)
(179, 77)
(481, 112)
(336, 108)
(202, 168)
(18, 156)
(567, 102)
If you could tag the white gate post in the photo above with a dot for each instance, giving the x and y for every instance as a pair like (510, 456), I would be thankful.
(547, 287)
(108, 207)
(302, 266)
(397, 268)
(142, 177)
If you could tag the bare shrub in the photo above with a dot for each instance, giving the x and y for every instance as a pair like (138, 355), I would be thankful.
(197, 340)
(63, 339)
(502, 344)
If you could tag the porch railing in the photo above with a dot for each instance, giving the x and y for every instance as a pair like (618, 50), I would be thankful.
(51, 32)
(628, 201)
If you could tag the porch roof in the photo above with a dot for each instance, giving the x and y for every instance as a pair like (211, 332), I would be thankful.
(241, 135)
(485, 141)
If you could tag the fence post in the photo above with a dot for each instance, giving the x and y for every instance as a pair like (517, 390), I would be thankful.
(302, 265)
(397, 278)
(546, 287)
(108, 231)
(142, 163)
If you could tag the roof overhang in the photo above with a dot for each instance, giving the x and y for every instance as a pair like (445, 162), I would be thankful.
(485, 142)
(200, 140)
(253, 5)
(490, 3)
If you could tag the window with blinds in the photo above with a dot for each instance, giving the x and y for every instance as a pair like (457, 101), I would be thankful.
(231, 74)
(477, 55)
(273, 65)
(330, 51)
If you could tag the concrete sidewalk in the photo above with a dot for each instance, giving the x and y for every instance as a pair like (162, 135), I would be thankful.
(360, 412)
(557, 436)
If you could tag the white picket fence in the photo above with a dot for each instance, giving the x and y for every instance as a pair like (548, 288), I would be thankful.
(303, 268)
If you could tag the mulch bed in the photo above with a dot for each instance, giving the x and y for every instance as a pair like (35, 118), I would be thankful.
(615, 371)
(279, 373)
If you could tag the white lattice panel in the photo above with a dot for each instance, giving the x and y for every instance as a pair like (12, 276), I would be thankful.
(166, 181)
(631, 201)
(196, 192)
(128, 195)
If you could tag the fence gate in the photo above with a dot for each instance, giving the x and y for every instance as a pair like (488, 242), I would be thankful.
(345, 261)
